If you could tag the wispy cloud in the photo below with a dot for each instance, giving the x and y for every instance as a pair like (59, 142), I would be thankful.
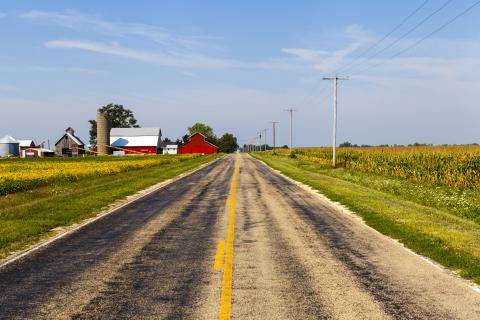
(2, 14)
(190, 74)
(88, 22)
(308, 59)
(306, 54)
(165, 47)
(174, 59)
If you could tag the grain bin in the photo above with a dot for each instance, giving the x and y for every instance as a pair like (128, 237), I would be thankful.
(9, 147)
(103, 134)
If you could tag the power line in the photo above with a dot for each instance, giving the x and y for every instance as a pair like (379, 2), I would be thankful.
(357, 58)
(398, 26)
(403, 36)
(424, 38)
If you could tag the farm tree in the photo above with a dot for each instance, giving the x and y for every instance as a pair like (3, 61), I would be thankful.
(117, 116)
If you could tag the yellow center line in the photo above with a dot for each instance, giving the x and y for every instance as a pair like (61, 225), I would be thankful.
(226, 298)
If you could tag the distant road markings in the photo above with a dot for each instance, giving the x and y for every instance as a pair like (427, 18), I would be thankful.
(218, 265)
(226, 298)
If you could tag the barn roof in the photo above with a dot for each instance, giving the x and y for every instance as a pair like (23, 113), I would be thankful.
(204, 138)
(25, 143)
(8, 139)
(135, 132)
(74, 138)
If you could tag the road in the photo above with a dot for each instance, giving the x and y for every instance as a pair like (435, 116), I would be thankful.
(233, 238)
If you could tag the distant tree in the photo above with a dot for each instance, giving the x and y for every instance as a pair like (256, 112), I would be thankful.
(204, 129)
(227, 143)
(185, 138)
(347, 144)
(179, 142)
(117, 116)
(167, 140)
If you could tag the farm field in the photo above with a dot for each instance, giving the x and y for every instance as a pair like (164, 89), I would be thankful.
(446, 178)
(43, 194)
(25, 174)
(432, 206)
(453, 166)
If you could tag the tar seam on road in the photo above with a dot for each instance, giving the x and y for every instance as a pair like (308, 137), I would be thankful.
(226, 297)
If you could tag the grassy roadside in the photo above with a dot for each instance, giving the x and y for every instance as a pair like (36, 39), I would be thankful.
(441, 235)
(26, 217)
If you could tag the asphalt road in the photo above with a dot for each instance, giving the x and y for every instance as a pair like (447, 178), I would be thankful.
(292, 256)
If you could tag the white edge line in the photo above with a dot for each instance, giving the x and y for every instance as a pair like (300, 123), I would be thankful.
(17, 256)
(342, 209)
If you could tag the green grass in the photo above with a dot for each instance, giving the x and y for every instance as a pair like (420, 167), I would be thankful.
(421, 220)
(26, 217)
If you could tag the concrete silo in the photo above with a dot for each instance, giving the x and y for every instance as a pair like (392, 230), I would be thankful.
(9, 147)
(103, 134)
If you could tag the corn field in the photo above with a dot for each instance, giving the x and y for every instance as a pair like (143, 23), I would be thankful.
(454, 166)
(25, 174)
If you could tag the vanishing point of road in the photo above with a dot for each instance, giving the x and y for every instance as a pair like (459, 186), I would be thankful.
(232, 240)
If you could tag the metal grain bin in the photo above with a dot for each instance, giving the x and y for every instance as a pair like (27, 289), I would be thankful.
(9, 147)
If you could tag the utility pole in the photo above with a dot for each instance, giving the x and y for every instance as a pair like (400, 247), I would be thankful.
(335, 80)
(273, 132)
(260, 140)
(291, 130)
(265, 138)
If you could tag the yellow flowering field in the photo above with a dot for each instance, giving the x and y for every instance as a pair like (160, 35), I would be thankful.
(24, 174)
(454, 166)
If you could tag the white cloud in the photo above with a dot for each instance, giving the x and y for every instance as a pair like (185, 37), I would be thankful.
(171, 58)
(305, 59)
(190, 74)
(358, 33)
(168, 49)
(87, 22)
(306, 54)
(2, 14)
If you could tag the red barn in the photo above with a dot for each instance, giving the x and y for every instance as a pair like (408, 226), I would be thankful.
(198, 144)
(135, 140)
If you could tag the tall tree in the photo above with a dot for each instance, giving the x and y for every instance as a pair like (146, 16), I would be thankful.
(204, 129)
(227, 143)
(117, 116)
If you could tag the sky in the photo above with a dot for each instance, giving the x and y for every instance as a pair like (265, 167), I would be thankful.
(237, 65)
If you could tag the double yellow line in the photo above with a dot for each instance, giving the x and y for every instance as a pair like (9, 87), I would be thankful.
(224, 256)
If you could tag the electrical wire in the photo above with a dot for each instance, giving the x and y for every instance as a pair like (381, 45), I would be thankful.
(376, 44)
(423, 38)
(403, 36)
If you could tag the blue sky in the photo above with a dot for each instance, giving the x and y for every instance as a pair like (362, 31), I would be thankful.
(238, 65)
